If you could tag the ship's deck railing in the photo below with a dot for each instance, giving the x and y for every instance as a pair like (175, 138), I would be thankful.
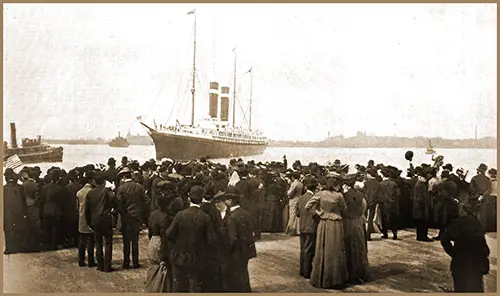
(226, 136)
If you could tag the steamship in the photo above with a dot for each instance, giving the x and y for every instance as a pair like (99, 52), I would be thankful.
(32, 150)
(211, 137)
(119, 142)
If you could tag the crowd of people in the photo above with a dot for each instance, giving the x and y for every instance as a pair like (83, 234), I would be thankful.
(204, 218)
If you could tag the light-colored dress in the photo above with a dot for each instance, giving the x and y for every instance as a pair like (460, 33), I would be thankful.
(329, 265)
(294, 193)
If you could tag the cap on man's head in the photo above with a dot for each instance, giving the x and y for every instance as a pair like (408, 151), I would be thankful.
(482, 167)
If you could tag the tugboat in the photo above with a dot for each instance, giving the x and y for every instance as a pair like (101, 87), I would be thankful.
(119, 142)
(32, 150)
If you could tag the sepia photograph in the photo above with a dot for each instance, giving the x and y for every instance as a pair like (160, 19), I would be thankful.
(249, 148)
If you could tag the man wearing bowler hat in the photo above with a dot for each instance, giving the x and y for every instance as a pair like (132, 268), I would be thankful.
(132, 202)
(241, 245)
(192, 235)
(99, 205)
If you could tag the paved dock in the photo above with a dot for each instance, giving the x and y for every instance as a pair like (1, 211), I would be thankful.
(405, 265)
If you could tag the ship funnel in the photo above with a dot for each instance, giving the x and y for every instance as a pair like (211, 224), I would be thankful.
(213, 96)
(13, 136)
(224, 103)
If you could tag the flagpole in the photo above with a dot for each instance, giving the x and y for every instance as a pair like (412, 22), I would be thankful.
(194, 73)
(234, 89)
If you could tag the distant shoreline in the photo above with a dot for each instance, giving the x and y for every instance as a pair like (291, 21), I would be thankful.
(338, 142)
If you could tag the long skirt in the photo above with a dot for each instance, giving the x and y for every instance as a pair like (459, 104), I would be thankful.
(293, 221)
(158, 276)
(488, 213)
(329, 265)
(356, 250)
(270, 216)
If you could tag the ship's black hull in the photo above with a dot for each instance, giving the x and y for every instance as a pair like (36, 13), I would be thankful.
(188, 148)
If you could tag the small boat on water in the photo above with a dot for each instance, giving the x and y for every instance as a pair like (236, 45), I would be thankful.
(119, 142)
(32, 150)
(429, 149)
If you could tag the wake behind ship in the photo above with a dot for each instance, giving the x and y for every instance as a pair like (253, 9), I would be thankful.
(213, 136)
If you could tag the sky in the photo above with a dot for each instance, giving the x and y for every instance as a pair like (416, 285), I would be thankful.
(89, 70)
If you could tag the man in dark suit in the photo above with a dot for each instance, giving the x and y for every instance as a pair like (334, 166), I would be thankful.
(131, 199)
(51, 199)
(421, 205)
(99, 206)
(469, 251)
(212, 274)
(389, 197)
(307, 228)
(241, 245)
(15, 212)
(192, 235)
(371, 191)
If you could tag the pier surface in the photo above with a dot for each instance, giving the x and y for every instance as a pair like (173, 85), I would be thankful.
(405, 265)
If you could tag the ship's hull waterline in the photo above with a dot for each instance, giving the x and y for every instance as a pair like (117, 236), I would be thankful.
(187, 148)
(52, 154)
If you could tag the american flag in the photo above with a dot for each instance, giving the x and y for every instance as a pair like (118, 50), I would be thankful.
(13, 162)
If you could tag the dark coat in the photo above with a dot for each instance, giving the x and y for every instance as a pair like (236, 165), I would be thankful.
(308, 223)
(241, 249)
(32, 192)
(70, 205)
(15, 212)
(354, 203)
(447, 208)
(158, 224)
(371, 190)
(248, 197)
(469, 251)
(480, 185)
(51, 199)
(99, 203)
(389, 194)
(192, 235)
(421, 201)
(132, 201)
(14, 206)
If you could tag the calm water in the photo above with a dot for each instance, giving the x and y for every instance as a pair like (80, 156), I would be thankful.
(469, 159)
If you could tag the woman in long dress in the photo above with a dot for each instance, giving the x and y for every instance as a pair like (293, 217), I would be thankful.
(159, 275)
(355, 235)
(329, 265)
(294, 192)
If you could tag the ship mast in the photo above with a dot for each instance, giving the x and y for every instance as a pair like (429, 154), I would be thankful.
(194, 69)
(234, 88)
(251, 87)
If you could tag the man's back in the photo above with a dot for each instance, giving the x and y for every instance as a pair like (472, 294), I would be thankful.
(192, 234)
(99, 203)
(51, 199)
(469, 249)
(306, 221)
(241, 234)
(132, 201)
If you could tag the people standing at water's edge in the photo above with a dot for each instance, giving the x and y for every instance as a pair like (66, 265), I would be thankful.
(308, 224)
(99, 206)
(330, 263)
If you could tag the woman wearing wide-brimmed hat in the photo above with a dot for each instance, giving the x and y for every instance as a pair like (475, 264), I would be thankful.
(355, 232)
(159, 274)
(329, 265)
